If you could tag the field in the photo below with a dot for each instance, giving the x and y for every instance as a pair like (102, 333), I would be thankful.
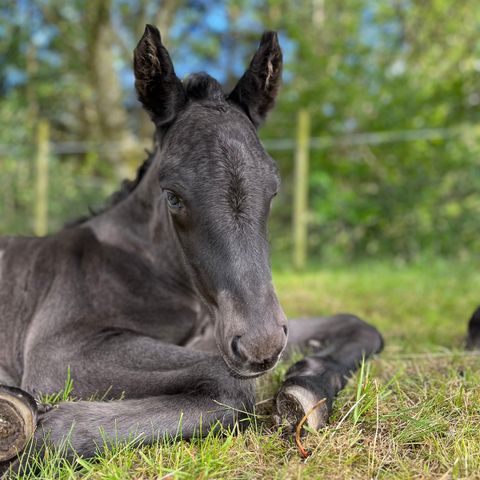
(412, 412)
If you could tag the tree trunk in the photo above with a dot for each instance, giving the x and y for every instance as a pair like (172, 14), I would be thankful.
(111, 127)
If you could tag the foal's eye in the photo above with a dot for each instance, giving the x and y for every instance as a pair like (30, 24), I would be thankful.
(173, 200)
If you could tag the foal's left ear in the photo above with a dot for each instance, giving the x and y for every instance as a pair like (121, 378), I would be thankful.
(256, 90)
(158, 87)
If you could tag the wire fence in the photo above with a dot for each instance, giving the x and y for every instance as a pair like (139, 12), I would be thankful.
(273, 145)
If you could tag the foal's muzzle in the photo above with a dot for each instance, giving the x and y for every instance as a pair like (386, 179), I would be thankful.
(251, 330)
(253, 355)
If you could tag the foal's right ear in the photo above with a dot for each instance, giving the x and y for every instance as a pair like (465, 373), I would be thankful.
(256, 91)
(158, 88)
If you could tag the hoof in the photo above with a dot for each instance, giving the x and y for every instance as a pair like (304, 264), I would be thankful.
(18, 419)
(294, 402)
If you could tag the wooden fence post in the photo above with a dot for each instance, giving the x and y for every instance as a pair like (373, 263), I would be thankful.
(41, 180)
(300, 190)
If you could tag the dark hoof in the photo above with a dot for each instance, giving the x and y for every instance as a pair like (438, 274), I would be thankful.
(295, 402)
(18, 419)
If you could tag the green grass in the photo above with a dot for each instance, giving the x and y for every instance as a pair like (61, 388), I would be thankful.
(413, 412)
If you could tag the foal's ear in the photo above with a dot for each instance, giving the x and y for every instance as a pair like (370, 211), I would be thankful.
(158, 88)
(256, 90)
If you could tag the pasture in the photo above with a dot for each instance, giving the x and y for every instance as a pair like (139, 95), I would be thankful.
(412, 412)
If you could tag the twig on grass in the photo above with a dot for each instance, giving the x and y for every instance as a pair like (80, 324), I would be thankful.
(304, 453)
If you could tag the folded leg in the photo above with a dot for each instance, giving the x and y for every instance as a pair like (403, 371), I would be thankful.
(121, 364)
(337, 346)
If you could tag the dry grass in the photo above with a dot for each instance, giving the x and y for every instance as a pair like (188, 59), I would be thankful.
(413, 412)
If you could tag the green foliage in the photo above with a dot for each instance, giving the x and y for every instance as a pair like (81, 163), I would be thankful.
(363, 66)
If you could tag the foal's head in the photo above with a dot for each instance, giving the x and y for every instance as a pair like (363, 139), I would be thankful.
(216, 182)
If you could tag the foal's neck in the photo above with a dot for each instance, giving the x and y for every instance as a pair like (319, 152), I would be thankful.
(143, 230)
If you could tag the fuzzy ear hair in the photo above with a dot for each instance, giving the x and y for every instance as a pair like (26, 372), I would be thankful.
(158, 88)
(256, 91)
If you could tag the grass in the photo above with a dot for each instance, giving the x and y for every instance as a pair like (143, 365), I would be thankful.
(413, 412)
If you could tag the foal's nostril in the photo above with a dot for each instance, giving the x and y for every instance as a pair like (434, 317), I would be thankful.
(234, 347)
(285, 330)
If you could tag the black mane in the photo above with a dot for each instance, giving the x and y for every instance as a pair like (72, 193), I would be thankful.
(126, 188)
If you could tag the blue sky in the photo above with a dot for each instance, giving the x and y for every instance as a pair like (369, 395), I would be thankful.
(210, 23)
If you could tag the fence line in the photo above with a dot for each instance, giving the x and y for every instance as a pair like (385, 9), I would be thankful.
(375, 138)
(321, 142)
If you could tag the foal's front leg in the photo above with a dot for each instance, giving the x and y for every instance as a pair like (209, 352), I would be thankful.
(170, 390)
(118, 364)
(337, 345)
(84, 426)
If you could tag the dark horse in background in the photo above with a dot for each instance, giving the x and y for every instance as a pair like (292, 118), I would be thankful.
(473, 340)
(165, 299)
